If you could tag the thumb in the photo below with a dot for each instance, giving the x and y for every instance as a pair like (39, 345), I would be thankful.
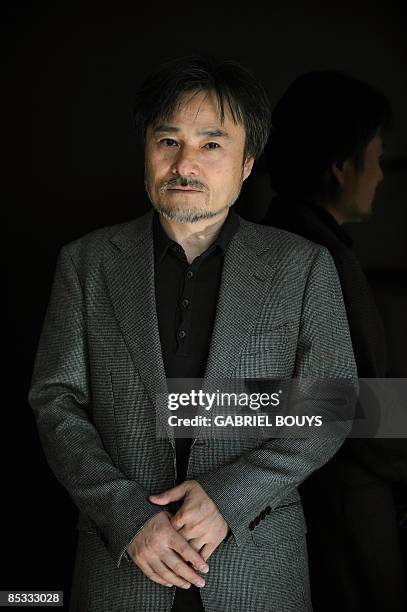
(171, 495)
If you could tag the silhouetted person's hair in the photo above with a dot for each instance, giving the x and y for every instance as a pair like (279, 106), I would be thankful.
(323, 117)
(234, 86)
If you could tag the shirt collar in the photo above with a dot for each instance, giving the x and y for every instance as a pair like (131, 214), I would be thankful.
(162, 242)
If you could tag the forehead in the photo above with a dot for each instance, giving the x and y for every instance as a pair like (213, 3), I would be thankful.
(201, 109)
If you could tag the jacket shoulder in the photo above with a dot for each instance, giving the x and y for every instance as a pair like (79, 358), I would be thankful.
(280, 243)
(106, 241)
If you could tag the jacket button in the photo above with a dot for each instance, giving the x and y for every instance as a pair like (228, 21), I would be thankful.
(268, 510)
(251, 526)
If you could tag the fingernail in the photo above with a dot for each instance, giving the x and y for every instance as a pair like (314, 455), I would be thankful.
(201, 583)
(186, 585)
(204, 569)
(169, 585)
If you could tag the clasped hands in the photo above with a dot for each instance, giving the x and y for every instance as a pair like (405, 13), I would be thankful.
(170, 550)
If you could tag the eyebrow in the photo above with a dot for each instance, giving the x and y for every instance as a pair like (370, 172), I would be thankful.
(211, 132)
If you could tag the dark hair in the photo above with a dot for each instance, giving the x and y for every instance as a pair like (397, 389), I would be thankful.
(324, 117)
(233, 85)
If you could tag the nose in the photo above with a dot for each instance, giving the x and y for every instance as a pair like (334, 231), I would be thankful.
(186, 163)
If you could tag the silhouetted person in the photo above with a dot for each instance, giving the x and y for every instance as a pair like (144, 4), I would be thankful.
(323, 156)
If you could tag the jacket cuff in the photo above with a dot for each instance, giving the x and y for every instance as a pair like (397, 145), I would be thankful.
(124, 555)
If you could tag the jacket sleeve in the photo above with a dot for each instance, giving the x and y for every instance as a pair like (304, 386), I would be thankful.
(60, 395)
(260, 479)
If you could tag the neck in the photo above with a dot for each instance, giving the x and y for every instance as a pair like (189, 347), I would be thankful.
(194, 238)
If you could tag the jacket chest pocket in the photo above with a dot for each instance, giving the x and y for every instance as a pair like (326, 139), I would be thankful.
(269, 354)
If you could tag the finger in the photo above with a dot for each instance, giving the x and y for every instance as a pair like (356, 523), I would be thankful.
(185, 515)
(174, 494)
(194, 532)
(176, 522)
(185, 550)
(197, 544)
(207, 550)
(182, 569)
(166, 574)
(192, 517)
(152, 575)
(182, 528)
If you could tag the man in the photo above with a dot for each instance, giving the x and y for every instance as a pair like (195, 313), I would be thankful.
(187, 291)
(323, 157)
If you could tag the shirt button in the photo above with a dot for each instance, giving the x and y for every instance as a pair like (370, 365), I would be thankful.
(182, 333)
(176, 248)
(185, 303)
(189, 274)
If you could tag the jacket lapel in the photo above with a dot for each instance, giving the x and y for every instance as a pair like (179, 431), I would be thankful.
(246, 280)
(130, 281)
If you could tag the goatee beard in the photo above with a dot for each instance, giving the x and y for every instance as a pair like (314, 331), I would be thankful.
(189, 215)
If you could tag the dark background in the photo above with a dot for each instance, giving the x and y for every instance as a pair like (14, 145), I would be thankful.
(73, 164)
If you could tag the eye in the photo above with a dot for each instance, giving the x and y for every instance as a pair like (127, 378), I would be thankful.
(212, 145)
(168, 142)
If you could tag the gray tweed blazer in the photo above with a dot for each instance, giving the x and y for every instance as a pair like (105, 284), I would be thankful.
(94, 394)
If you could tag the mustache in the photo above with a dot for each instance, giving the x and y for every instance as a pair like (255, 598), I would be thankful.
(182, 181)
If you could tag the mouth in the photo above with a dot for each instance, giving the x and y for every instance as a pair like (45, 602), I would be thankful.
(183, 190)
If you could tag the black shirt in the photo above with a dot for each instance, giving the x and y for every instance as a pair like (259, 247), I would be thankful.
(186, 299)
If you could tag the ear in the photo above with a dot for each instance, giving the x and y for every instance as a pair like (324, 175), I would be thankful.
(340, 171)
(247, 167)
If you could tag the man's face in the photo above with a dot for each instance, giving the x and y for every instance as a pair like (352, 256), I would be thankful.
(194, 166)
(359, 186)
